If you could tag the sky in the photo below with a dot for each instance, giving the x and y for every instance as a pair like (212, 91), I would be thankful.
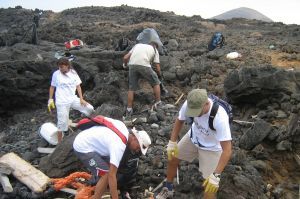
(286, 11)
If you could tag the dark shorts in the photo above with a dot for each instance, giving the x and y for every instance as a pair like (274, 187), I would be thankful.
(136, 72)
(96, 164)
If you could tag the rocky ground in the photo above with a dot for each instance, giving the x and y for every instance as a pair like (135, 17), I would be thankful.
(263, 86)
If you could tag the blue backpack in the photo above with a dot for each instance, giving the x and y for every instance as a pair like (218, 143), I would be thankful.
(216, 103)
(217, 40)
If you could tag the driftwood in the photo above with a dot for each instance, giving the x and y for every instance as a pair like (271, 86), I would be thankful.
(242, 122)
(5, 169)
(7, 188)
(25, 172)
(69, 190)
(45, 150)
(179, 99)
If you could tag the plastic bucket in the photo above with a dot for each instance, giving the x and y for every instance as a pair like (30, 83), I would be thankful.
(49, 132)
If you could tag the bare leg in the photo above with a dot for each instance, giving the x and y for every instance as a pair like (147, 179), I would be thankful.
(172, 169)
(209, 196)
(156, 91)
(59, 136)
(101, 186)
(130, 99)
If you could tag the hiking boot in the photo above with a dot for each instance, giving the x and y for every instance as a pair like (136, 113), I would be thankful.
(165, 193)
(128, 115)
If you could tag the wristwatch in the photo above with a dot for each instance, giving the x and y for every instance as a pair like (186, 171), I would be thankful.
(217, 175)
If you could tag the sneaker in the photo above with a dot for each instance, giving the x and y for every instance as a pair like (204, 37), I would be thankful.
(157, 106)
(165, 193)
(128, 115)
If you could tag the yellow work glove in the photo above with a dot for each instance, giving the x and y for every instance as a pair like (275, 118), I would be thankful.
(172, 150)
(51, 105)
(211, 184)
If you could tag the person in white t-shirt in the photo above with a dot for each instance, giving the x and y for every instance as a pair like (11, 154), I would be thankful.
(101, 149)
(211, 147)
(139, 59)
(65, 81)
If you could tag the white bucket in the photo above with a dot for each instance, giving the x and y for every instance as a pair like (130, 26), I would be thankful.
(49, 132)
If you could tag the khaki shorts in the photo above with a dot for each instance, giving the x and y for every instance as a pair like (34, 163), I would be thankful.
(208, 160)
(136, 72)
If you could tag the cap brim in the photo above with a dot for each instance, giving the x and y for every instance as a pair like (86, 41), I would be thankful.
(143, 150)
(192, 112)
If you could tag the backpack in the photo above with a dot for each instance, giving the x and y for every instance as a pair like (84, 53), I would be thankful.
(99, 120)
(124, 44)
(74, 44)
(216, 103)
(217, 40)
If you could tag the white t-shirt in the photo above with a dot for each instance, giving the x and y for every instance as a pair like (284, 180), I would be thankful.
(65, 86)
(103, 141)
(202, 136)
(143, 54)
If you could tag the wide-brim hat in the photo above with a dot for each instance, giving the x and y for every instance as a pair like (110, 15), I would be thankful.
(143, 139)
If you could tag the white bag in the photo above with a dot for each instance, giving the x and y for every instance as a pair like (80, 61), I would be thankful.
(49, 132)
(233, 55)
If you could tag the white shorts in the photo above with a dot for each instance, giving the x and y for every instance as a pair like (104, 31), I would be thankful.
(208, 160)
(64, 109)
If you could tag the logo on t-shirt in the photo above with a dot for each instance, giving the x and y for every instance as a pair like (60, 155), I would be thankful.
(201, 129)
(92, 162)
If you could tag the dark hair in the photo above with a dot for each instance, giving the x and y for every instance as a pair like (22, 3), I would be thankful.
(63, 61)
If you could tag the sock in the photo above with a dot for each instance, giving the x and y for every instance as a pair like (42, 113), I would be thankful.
(169, 185)
(158, 102)
(129, 109)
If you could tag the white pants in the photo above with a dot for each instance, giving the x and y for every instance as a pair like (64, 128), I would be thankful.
(64, 109)
(208, 160)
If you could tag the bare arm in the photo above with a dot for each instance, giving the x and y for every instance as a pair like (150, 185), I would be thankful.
(51, 92)
(112, 181)
(101, 186)
(79, 91)
(225, 156)
(126, 58)
(158, 72)
(176, 129)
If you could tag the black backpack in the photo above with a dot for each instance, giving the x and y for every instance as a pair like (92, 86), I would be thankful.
(217, 40)
(216, 103)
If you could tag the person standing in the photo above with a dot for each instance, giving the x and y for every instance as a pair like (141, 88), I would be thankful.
(213, 148)
(65, 81)
(101, 150)
(140, 59)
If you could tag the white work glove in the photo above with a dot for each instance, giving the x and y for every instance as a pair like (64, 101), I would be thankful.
(51, 105)
(172, 150)
(211, 184)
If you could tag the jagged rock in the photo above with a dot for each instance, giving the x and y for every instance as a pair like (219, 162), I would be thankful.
(253, 84)
(62, 161)
(255, 134)
(255, 90)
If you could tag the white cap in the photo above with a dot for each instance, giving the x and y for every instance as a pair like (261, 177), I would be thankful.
(143, 139)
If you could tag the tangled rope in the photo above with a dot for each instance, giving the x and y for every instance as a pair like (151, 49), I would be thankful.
(83, 191)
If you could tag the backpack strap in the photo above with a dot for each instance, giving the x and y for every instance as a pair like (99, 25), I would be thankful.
(102, 121)
(152, 59)
(212, 115)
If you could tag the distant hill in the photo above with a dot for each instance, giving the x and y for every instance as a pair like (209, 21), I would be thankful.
(243, 12)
